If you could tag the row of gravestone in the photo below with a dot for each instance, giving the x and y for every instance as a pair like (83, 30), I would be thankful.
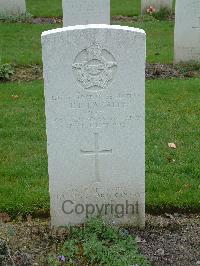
(19, 6)
(99, 11)
(187, 26)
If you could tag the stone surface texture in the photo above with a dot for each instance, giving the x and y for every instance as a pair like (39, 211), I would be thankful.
(83, 12)
(95, 117)
(187, 31)
(12, 7)
(157, 4)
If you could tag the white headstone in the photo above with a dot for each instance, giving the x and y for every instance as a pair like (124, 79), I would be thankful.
(12, 7)
(187, 31)
(83, 12)
(95, 117)
(157, 4)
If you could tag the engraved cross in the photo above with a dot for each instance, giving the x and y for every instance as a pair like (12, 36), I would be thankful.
(96, 153)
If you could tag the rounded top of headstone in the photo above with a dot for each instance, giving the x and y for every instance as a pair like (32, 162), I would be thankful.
(93, 26)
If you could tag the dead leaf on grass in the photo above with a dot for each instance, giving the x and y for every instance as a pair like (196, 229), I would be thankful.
(15, 96)
(4, 217)
(172, 145)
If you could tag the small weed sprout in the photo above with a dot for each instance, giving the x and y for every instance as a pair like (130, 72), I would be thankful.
(6, 71)
(7, 18)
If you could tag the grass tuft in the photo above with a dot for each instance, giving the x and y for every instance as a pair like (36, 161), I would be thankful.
(163, 14)
(188, 67)
(7, 18)
(6, 71)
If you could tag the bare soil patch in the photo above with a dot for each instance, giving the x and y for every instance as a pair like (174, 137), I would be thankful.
(171, 240)
(27, 73)
(153, 71)
(119, 18)
(44, 20)
(166, 240)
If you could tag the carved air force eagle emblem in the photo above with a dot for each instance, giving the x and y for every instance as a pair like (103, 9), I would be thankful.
(94, 68)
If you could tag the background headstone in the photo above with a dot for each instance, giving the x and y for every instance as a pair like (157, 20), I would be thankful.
(83, 12)
(12, 7)
(187, 31)
(95, 116)
(157, 4)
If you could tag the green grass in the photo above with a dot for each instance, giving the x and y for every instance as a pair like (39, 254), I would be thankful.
(45, 8)
(160, 40)
(23, 167)
(172, 176)
(20, 43)
(173, 116)
(53, 8)
(125, 7)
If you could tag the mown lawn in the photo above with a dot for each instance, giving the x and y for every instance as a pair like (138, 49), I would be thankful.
(173, 116)
(53, 8)
(160, 40)
(20, 43)
(23, 159)
(172, 176)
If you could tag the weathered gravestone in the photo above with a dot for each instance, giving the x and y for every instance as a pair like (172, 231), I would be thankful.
(187, 31)
(12, 7)
(83, 12)
(157, 4)
(95, 112)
